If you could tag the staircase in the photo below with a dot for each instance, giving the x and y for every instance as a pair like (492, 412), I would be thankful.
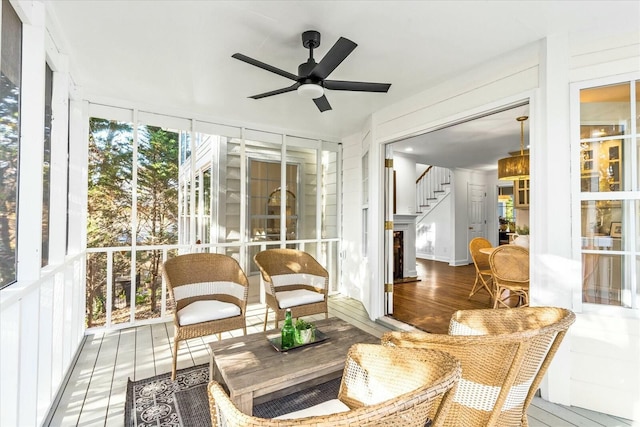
(431, 188)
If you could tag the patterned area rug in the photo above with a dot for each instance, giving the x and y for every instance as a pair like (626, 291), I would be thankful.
(158, 401)
(151, 402)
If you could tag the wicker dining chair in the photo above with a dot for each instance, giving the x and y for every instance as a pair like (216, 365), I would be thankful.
(510, 269)
(292, 279)
(380, 386)
(210, 293)
(484, 277)
(504, 356)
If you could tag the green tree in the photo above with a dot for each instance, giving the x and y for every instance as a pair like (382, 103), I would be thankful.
(109, 203)
(9, 146)
(157, 205)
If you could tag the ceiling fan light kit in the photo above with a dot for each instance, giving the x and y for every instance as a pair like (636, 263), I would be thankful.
(515, 168)
(310, 82)
(310, 91)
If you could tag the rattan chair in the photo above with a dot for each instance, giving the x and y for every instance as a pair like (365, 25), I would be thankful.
(510, 269)
(380, 386)
(210, 293)
(292, 279)
(481, 262)
(504, 356)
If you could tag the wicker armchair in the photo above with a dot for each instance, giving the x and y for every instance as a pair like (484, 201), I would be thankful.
(292, 279)
(481, 263)
(380, 386)
(210, 293)
(504, 356)
(510, 268)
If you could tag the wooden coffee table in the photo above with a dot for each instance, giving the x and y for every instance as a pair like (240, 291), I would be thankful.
(253, 371)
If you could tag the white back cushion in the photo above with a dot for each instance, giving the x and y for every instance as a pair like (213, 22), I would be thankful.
(298, 279)
(208, 288)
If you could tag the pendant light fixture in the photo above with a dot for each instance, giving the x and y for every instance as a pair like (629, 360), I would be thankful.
(516, 167)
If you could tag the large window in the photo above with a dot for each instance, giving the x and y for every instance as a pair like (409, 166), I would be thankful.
(610, 205)
(10, 87)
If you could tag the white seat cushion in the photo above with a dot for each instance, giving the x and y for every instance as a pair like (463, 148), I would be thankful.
(329, 407)
(288, 299)
(205, 311)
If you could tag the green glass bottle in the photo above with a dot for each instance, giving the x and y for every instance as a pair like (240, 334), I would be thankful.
(288, 332)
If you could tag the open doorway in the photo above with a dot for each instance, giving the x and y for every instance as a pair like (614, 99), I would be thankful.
(463, 159)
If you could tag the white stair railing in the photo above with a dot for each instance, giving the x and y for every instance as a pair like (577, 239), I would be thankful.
(431, 187)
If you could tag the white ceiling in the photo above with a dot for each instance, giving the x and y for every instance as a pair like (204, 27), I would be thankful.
(176, 55)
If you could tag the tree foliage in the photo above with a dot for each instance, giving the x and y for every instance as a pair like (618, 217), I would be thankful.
(9, 136)
(110, 186)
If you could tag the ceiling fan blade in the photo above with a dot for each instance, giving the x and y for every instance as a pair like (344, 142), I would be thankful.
(356, 86)
(333, 58)
(264, 66)
(277, 91)
(322, 103)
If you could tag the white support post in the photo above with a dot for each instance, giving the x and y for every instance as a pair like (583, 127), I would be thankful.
(31, 147)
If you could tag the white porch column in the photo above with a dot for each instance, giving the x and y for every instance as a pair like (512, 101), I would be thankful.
(552, 269)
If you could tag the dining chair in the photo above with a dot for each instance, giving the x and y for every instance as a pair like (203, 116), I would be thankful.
(504, 355)
(510, 269)
(210, 294)
(292, 279)
(484, 278)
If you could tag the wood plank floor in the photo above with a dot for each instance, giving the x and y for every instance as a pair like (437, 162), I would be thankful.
(94, 394)
(440, 290)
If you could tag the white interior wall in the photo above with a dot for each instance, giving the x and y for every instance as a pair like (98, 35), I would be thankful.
(434, 233)
(404, 167)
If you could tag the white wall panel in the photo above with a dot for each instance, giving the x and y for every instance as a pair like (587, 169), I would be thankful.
(45, 348)
(28, 377)
(354, 276)
(10, 357)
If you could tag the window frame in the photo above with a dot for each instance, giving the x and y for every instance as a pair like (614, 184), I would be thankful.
(19, 68)
(629, 194)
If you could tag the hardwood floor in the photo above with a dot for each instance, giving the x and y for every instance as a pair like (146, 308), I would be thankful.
(440, 291)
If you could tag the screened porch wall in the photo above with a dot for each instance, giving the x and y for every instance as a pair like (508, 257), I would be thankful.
(225, 204)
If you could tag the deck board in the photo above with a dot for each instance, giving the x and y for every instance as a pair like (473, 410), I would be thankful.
(95, 392)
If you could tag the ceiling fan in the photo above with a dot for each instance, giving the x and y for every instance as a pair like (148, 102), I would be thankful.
(311, 79)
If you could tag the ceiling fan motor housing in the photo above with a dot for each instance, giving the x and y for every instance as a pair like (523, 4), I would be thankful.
(304, 71)
(311, 39)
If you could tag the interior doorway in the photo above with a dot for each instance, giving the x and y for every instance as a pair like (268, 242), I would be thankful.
(474, 146)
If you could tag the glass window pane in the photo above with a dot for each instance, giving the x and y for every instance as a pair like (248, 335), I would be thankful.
(157, 193)
(602, 225)
(604, 107)
(305, 160)
(602, 279)
(266, 195)
(109, 171)
(637, 105)
(10, 90)
(602, 165)
(46, 164)
(330, 196)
